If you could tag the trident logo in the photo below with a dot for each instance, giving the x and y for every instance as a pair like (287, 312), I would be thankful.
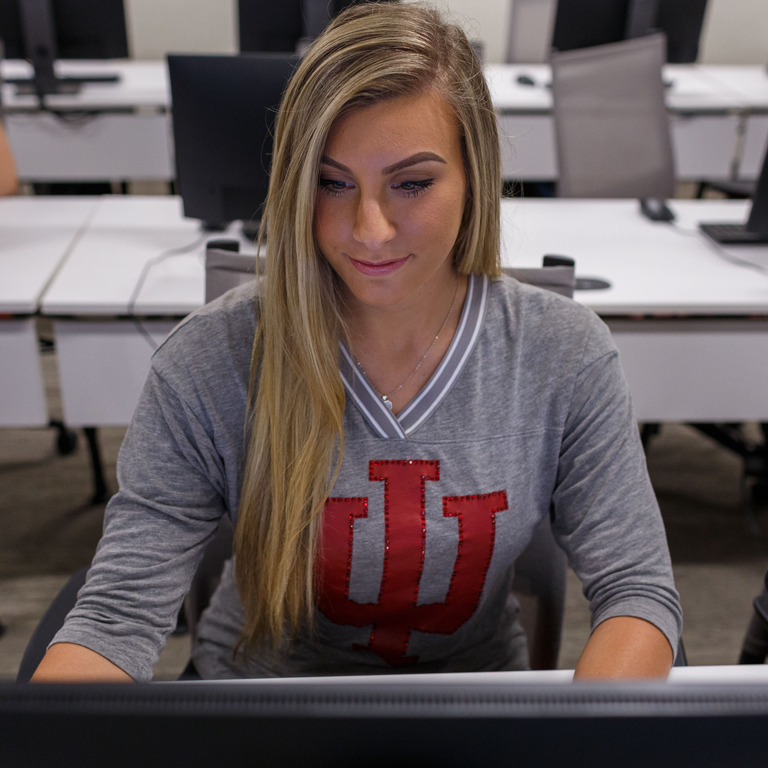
(396, 614)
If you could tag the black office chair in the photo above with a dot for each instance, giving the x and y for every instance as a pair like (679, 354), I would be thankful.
(49, 625)
(755, 647)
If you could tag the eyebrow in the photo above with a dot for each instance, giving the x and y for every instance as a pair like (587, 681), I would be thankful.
(419, 157)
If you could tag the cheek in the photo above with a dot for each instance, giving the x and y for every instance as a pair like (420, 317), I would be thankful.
(438, 220)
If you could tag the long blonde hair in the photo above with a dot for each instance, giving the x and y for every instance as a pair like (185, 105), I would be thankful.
(368, 54)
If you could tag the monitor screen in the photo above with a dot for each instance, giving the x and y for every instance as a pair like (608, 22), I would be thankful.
(85, 29)
(758, 216)
(585, 23)
(266, 25)
(305, 723)
(223, 114)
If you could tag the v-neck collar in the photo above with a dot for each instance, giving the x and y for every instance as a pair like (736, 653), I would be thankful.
(365, 397)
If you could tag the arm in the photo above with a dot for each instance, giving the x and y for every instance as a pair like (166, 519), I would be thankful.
(8, 180)
(70, 663)
(624, 647)
(607, 519)
(156, 527)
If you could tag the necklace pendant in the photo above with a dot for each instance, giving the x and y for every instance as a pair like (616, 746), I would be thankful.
(387, 402)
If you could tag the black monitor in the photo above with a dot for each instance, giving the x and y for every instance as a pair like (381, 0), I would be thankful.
(585, 23)
(223, 115)
(755, 230)
(45, 30)
(85, 29)
(424, 725)
(266, 25)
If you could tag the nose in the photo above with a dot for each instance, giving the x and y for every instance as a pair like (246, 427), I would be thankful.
(373, 228)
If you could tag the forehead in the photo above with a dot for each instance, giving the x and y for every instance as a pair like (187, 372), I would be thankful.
(396, 128)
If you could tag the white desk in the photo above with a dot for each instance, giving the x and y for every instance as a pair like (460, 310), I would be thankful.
(35, 236)
(704, 357)
(750, 85)
(124, 130)
(103, 357)
(106, 131)
(708, 366)
(706, 116)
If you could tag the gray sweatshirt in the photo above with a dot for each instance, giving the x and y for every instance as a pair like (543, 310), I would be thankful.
(528, 415)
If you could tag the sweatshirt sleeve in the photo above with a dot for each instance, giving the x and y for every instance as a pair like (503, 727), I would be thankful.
(155, 529)
(605, 512)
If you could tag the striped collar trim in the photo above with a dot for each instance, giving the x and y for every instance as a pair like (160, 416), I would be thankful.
(384, 423)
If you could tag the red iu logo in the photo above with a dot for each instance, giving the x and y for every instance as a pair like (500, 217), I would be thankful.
(395, 614)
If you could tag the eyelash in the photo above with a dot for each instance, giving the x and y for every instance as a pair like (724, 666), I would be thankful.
(422, 185)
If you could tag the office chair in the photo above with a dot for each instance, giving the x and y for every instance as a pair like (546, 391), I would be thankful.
(611, 122)
(755, 646)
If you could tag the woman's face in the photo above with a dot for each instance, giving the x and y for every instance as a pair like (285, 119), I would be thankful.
(390, 200)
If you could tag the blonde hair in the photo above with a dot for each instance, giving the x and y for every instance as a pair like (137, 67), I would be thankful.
(369, 53)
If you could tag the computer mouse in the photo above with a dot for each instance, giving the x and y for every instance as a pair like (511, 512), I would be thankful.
(656, 209)
(525, 80)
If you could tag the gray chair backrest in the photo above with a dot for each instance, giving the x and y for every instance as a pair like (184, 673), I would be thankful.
(611, 122)
(225, 270)
(560, 280)
(540, 571)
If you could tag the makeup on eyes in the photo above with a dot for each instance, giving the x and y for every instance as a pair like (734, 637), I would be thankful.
(415, 186)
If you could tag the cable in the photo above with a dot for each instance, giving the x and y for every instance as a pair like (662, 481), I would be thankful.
(155, 260)
(718, 250)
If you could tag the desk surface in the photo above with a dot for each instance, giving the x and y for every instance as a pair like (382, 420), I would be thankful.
(35, 235)
(695, 88)
(654, 268)
(142, 84)
(124, 234)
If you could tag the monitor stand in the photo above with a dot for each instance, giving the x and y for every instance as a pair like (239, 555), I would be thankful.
(755, 231)
(39, 31)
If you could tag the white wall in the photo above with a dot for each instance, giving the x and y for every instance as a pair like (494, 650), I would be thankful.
(485, 20)
(157, 27)
(736, 31)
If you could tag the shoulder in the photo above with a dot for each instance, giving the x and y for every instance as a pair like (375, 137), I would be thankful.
(544, 323)
(213, 340)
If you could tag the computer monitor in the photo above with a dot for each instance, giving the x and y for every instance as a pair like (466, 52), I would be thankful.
(223, 114)
(755, 230)
(45, 30)
(584, 23)
(299, 724)
(85, 29)
(266, 25)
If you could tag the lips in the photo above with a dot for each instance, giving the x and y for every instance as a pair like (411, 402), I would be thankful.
(374, 268)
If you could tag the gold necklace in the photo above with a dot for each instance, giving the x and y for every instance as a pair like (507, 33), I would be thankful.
(387, 398)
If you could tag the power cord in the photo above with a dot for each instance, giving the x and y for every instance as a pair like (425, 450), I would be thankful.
(154, 261)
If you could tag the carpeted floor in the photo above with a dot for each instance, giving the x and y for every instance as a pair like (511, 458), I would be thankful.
(49, 529)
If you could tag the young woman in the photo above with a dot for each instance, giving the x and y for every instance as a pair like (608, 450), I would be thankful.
(385, 415)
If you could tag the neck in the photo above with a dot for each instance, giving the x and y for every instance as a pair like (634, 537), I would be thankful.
(396, 346)
(392, 330)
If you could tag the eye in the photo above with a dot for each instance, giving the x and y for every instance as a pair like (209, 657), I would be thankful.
(332, 186)
(415, 187)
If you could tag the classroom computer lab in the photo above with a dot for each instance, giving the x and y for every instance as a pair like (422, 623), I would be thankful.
(384, 382)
